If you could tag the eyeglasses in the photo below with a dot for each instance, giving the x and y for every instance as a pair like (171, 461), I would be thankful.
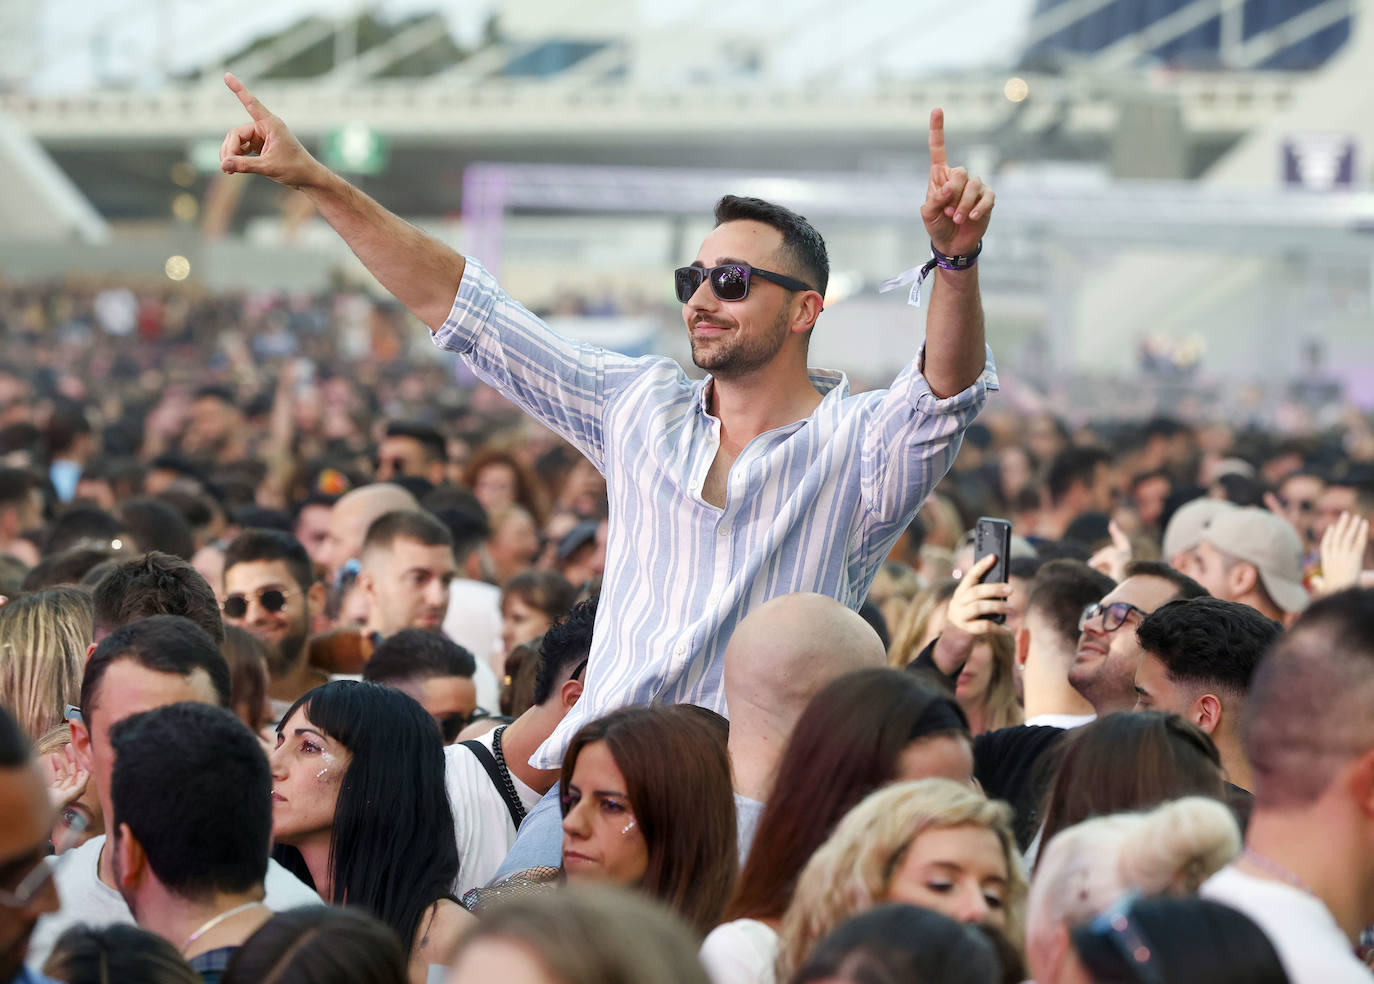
(1113, 616)
(37, 878)
(271, 599)
(1118, 930)
(577, 673)
(729, 281)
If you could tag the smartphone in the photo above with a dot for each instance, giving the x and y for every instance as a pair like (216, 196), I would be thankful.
(993, 536)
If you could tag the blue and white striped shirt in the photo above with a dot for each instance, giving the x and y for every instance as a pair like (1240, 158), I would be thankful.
(813, 506)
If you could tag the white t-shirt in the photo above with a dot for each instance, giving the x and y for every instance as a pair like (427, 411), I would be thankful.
(740, 952)
(87, 899)
(481, 822)
(1065, 721)
(1308, 940)
(473, 620)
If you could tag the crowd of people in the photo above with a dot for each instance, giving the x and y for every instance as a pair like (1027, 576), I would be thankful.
(576, 670)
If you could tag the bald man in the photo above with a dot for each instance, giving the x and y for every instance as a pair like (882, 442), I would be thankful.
(779, 657)
(352, 515)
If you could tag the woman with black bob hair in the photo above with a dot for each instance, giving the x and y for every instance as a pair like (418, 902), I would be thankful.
(1182, 941)
(360, 811)
(319, 945)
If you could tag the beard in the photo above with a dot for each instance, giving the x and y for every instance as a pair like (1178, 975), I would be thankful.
(734, 355)
(286, 655)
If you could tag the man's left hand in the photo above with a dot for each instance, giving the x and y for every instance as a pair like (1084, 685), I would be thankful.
(957, 207)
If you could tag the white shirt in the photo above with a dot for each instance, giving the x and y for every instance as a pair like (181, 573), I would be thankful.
(815, 505)
(481, 822)
(473, 620)
(1065, 721)
(87, 899)
(1309, 942)
(740, 952)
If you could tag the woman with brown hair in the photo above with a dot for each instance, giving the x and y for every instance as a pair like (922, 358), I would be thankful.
(500, 480)
(864, 730)
(1129, 762)
(648, 803)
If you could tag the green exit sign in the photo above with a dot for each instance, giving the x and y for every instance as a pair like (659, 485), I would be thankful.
(355, 149)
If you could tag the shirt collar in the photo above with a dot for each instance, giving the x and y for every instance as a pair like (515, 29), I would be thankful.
(831, 383)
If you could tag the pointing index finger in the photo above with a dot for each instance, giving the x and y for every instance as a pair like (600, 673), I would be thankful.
(255, 109)
(937, 137)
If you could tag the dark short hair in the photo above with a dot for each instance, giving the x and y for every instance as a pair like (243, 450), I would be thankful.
(1208, 641)
(903, 943)
(1072, 466)
(319, 943)
(1307, 714)
(802, 246)
(212, 835)
(565, 645)
(16, 484)
(256, 545)
(1061, 589)
(429, 437)
(68, 567)
(414, 654)
(156, 584)
(1192, 941)
(15, 749)
(118, 952)
(82, 526)
(157, 525)
(408, 524)
(1185, 587)
(463, 514)
(164, 643)
(223, 394)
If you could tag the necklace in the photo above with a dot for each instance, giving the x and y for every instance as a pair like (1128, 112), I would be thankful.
(512, 796)
(1278, 871)
(212, 923)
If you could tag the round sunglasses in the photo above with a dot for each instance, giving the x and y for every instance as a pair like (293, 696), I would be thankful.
(729, 281)
(271, 599)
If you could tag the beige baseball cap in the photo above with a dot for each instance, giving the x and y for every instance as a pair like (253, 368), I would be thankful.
(1267, 541)
(1184, 531)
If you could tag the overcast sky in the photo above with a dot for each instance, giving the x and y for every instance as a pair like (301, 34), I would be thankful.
(134, 42)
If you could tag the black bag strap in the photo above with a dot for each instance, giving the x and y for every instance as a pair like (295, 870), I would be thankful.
(502, 783)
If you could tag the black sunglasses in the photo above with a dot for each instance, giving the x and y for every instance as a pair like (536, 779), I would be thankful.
(729, 281)
(272, 600)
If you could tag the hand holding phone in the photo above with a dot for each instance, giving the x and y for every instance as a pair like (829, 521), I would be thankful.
(992, 538)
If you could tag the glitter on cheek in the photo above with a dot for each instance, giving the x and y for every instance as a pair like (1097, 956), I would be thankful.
(627, 828)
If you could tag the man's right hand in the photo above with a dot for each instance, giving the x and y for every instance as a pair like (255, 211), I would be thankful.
(266, 146)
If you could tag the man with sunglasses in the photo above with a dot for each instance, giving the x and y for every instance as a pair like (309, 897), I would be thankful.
(26, 885)
(764, 479)
(270, 590)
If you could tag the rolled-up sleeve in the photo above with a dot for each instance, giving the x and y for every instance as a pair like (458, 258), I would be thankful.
(913, 438)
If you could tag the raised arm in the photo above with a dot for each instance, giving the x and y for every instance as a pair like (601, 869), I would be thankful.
(956, 213)
(419, 271)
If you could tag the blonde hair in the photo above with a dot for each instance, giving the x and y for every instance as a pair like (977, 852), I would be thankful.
(43, 642)
(910, 634)
(852, 871)
(1085, 868)
(595, 934)
(999, 706)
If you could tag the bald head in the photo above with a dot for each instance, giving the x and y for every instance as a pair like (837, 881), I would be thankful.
(353, 514)
(785, 651)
